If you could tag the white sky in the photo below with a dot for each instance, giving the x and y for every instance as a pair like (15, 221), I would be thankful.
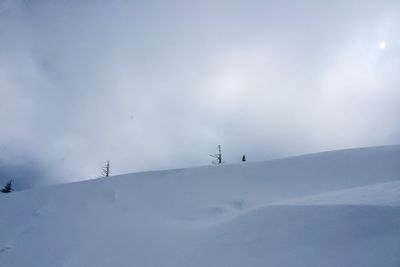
(159, 84)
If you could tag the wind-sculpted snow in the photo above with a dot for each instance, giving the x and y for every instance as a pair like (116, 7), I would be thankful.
(338, 208)
(384, 194)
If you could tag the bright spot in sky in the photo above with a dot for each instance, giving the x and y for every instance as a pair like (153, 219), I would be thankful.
(382, 45)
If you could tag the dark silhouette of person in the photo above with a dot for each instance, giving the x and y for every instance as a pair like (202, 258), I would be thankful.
(244, 158)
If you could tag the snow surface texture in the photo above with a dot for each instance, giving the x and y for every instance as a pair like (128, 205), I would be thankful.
(339, 208)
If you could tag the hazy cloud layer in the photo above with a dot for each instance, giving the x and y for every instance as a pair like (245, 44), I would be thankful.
(158, 84)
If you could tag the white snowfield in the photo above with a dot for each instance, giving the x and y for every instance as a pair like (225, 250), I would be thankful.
(339, 208)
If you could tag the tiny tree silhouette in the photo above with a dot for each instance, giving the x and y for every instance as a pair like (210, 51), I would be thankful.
(217, 156)
(7, 188)
(105, 170)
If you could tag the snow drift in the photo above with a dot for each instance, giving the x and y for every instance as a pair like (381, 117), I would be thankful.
(339, 208)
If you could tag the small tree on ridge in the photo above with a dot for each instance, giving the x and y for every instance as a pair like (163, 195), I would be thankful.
(7, 188)
(217, 156)
(105, 171)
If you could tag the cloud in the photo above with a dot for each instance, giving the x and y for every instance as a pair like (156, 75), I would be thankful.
(155, 84)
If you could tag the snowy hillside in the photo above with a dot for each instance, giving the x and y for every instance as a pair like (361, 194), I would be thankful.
(339, 208)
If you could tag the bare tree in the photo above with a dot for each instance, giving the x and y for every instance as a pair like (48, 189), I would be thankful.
(217, 156)
(105, 170)
(7, 188)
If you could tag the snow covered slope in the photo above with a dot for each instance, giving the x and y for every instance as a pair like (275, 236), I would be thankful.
(338, 208)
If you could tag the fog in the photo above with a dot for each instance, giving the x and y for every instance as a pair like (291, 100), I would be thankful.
(159, 84)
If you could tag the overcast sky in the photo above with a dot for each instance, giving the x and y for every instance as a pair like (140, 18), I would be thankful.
(159, 84)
